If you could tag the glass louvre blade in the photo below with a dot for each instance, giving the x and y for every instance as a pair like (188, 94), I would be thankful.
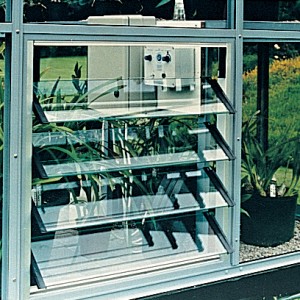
(125, 140)
(97, 114)
(161, 160)
(72, 256)
(124, 172)
(43, 139)
(132, 101)
(195, 108)
(174, 195)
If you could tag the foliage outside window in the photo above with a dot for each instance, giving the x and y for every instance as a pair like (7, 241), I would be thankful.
(272, 172)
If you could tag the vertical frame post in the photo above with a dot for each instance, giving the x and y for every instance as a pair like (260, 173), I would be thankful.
(16, 196)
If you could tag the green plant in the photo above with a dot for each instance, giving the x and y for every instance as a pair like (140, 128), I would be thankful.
(284, 87)
(79, 148)
(149, 137)
(259, 167)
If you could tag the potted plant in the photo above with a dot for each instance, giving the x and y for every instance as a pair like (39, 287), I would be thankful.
(268, 207)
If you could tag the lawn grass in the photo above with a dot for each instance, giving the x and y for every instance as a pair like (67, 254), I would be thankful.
(53, 67)
(63, 67)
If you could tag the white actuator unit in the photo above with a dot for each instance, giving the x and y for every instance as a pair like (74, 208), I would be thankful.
(117, 67)
(141, 75)
(169, 67)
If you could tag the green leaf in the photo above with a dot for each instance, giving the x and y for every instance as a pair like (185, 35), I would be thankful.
(163, 2)
(245, 212)
(36, 181)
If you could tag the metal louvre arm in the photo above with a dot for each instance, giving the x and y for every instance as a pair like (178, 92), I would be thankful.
(37, 276)
(38, 166)
(38, 218)
(220, 94)
(145, 230)
(164, 226)
(220, 140)
(218, 231)
(38, 111)
(218, 185)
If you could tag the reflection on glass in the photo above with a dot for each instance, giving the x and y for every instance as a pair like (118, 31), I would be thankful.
(134, 247)
(78, 10)
(124, 160)
(2, 11)
(256, 10)
(81, 10)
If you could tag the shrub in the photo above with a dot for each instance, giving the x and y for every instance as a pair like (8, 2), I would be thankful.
(284, 96)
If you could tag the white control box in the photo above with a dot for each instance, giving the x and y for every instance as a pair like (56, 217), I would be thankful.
(169, 67)
(117, 68)
(136, 75)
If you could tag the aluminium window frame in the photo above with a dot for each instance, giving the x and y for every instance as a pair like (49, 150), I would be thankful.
(16, 211)
(144, 281)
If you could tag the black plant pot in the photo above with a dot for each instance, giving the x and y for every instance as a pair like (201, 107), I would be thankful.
(298, 212)
(271, 221)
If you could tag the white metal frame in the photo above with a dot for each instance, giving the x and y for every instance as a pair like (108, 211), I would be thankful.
(17, 154)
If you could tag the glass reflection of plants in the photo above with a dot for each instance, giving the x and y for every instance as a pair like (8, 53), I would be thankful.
(147, 137)
(150, 138)
(78, 100)
(76, 146)
(68, 10)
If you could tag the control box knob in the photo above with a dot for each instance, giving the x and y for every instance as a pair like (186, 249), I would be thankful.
(148, 57)
(167, 58)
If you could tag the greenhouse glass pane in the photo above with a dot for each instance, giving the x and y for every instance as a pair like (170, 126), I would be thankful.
(271, 123)
(81, 10)
(270, 10)
(125, 163)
